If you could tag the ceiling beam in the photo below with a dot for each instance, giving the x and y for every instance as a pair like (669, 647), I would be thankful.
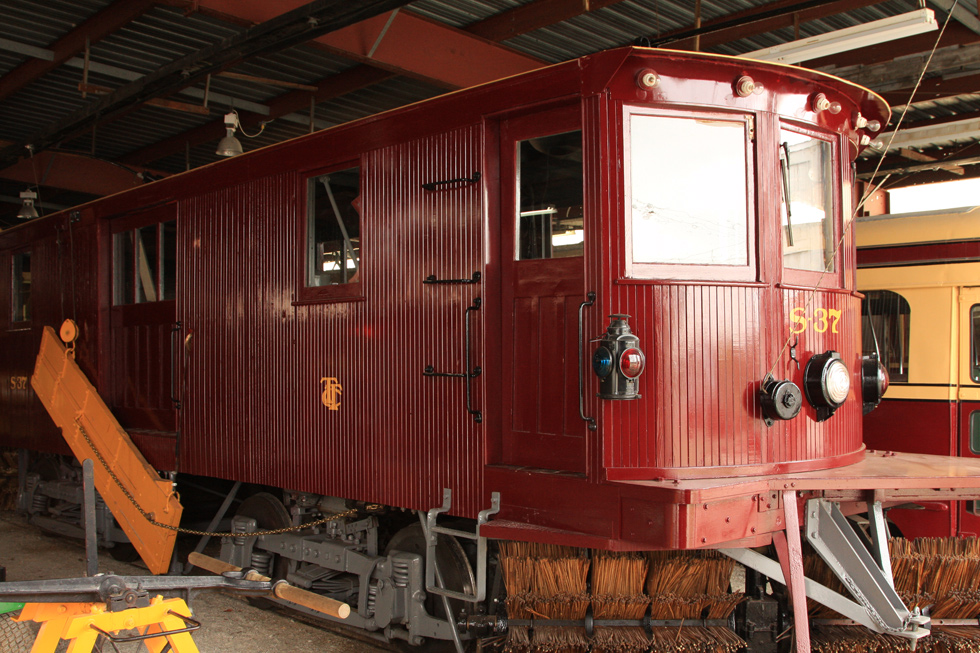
(284, 31)
(904, 72)
(936, 88)
(75, 172)
(532, 16)
(96, 28)
(332, 87)
(451, 58)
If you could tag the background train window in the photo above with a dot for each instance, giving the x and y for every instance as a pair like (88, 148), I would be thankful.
(807, 206)
(21, 287)
(145, 264)
(885, 319)
(975, 432)
(334, 228)
(674, 218)
(975, 343)
(551, 214)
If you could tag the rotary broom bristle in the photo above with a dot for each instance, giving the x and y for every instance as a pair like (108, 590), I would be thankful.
(545, 583)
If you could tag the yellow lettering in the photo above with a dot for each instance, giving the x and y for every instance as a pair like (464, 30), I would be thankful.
(331, 392)
(820, 315)
(798, 318)
(835, 316)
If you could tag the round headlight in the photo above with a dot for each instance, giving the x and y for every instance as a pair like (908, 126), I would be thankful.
(826, 383)
(874, 382)
(837, 382)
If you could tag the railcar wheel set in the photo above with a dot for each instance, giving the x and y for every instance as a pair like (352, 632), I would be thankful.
(392, 338)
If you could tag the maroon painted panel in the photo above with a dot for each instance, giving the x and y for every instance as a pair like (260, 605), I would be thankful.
(939, 253)
(256, 364)
(916, 427)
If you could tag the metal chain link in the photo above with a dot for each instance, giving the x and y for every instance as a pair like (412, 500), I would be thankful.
(187, 531)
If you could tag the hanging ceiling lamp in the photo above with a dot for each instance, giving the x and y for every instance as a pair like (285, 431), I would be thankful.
(229, 145)
(27, 211)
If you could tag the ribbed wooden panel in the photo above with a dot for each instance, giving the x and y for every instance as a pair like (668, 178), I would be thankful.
(706, 355)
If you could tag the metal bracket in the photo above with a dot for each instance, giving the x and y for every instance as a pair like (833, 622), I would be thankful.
(879, 607)
(432, 531)
(830, 534)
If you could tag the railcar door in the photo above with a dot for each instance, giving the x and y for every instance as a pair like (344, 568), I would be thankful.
(141, 326)
(969, 396)
(542, 285)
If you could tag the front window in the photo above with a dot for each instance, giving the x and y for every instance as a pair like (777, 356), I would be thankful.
(885, 328)
(21, 287)
(333, 230)
(689, 195)
(806, 171)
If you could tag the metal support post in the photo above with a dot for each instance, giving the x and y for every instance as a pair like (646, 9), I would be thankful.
(88, 518)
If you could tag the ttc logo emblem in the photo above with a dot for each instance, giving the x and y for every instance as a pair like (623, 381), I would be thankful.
(331, 393)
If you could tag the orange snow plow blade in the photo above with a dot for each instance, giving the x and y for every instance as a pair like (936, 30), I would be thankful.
(92, 432)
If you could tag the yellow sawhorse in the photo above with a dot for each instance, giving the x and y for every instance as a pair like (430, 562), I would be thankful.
(164, 621)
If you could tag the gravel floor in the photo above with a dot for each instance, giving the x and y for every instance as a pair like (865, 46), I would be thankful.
(230, 625)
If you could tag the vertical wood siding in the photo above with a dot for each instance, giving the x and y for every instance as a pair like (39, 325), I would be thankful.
(253, 406)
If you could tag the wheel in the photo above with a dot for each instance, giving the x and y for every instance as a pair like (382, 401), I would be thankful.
(457, 575)
(15, 636)
(269, 514)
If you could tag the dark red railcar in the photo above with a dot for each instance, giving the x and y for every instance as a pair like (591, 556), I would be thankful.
(410, 303)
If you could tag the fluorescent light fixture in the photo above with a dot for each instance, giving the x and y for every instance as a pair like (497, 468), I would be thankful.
(851, 38)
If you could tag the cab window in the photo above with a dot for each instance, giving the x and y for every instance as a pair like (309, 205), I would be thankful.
(885, 328)
(551, 206)
(807, 206)
(21, 287)
(145, 264)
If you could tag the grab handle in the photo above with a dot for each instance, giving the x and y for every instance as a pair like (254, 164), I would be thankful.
(468, 373)
(590, 300)
(174, 333)
(475, 372)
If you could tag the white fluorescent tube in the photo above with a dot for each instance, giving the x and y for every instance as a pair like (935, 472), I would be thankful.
(851, 38)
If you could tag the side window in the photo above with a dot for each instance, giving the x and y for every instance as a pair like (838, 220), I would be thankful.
(145, 264)
(885, 328)
(551, 204)
(333, 228)
(975, 432)
(975, 343)
(21, 287)
(806, 169)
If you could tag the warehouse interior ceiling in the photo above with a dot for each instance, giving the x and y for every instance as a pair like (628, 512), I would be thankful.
(97, 96)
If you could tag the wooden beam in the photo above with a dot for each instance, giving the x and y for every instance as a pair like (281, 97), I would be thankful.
(903, 73)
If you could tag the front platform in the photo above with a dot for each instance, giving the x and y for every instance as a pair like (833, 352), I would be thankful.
(712, 512)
